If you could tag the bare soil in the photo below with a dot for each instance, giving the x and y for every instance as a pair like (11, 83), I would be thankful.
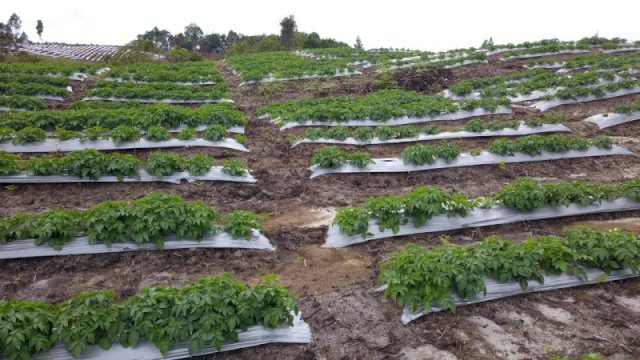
(336, 287)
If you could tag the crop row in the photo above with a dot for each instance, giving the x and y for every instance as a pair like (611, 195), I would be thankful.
(379, 106)
(31, 89)
(22, 78)
(529, 81)
(597, 91)
(627, 108)
(550, 48)
(118, 134)
(194, 71)
(22, 102)
(525, 194)
(417, 276)
(45, 68)
(596, 61)
(383, 133)
(205, 313)
(147, 220)
(158, 91)
(281, 64)
(143, 116)
(419, 154)
(92, 164)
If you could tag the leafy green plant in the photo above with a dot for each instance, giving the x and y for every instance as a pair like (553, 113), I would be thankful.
(29, 135)
(419, 154)
(124, 133)
(475, 125)
(431, 129)
(89, 163)
(95, 132)
(240, 138)
(385, 133)
(163, 164)
(329, 157)
(363, 134)
(240, 224)
(214, 133)
(314, 134)
(27, 328)
(416, 276)
(187, 134)
(218, 309)
(602, 142)
(448, 151)
(359, 159)
(353, 221)
(199, 164)
(90, 318)
(9, 164)
(157, 133)
(235, 167)
(64, 134)
(338, 133)
(123, 165)
(6, 134)
(387, 210)
(55, 227)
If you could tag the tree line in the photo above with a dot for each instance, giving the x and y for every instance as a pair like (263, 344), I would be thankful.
(194, 39)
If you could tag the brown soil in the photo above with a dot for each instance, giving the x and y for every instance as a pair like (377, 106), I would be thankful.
(335, 287)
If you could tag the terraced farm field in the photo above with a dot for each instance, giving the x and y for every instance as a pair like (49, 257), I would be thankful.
(479, 211)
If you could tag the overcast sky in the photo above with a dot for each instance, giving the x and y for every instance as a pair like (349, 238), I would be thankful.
(425, 25)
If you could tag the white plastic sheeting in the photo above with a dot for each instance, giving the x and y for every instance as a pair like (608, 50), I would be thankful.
(464, 63)
(478, 217)
(561, 52)
(548, 104)
(81, 245)
(215, 174)
(458, 115)
(299, 333)
(612, 119)
(555, 65)
(2, 108)
(49, 97)
(156, 101)
(522, 130)
(498, 290)
(52, 145)
(626, 49)
(396, 165)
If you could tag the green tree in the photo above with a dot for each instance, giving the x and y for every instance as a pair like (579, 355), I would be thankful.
(487, 44)
(39, 29)
(287, 29)
(161, 38)
(211, 43)
(358, 44)
(313, 41)
(193, 34)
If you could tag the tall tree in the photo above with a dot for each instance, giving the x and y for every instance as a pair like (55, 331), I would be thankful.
(313, 41)
(39, 29)
(287, 28)
(211, 43)
(358, 44)
(15, 24)
(160, 38)
(193, 34)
